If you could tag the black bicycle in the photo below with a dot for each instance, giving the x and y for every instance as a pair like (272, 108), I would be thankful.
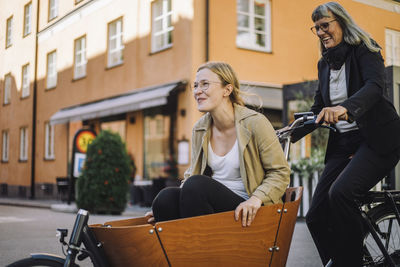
(81, 234)
(379, 209)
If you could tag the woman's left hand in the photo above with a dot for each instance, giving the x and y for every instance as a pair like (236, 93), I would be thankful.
(249, 210)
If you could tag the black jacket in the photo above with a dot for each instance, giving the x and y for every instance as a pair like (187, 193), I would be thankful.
(367, 102)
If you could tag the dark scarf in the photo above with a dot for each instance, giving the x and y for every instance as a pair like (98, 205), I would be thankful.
(336, 56)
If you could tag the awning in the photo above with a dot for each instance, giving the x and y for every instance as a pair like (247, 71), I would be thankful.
(134, 100)
(269, 95)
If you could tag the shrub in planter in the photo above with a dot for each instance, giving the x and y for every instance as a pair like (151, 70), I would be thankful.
(103, 185)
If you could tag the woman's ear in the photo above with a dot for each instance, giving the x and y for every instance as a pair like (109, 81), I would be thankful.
(228, 90)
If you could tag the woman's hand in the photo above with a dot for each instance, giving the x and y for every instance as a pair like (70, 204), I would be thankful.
(150, 216)
(332, 114)
(249, 209)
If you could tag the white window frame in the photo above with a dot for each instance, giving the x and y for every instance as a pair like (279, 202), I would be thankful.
(80, 58)
(5, 146)
(115, 55)
(23, 144)
(49, 141)
(53, 9)
(166, 28)
(7, 89)
(9, 27)
(25, 90)
(27, 18)
(251, 41)
(51, 80)
(392, 47)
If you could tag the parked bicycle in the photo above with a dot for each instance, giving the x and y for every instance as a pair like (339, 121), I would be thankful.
(380, 211)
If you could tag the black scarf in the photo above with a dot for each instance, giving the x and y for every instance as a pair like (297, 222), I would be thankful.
(336, 56)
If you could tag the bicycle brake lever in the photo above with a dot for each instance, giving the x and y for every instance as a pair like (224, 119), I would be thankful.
(328, 127)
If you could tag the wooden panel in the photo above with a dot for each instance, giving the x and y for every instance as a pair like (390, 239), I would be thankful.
(128, 222)
(218, 240)
(130, 245)
(286, 228)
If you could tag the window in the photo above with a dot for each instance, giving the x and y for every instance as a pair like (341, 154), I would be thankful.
(27, 18)
(49, 141)
(5, 146)
(80, 58)
(254, 25)
(115, 45)
(53, 9)
(392, 48)
(9, 32)
(161, 37)
(51, 70)
(7, 89)
(25, 81)
(23, 144)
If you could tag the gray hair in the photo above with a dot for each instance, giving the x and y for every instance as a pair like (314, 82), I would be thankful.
(352, 33)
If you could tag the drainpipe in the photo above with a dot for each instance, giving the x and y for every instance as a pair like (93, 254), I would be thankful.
(207, 29)
(34, 96)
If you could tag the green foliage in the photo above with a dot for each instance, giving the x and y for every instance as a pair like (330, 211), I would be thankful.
(103, 186)
(305, 167)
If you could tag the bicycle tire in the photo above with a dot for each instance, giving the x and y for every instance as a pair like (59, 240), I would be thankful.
(32, 262)
(385, 218)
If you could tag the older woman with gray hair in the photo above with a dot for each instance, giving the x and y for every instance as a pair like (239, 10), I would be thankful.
(365, 148)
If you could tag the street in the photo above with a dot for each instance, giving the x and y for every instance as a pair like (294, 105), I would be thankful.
(26, 230)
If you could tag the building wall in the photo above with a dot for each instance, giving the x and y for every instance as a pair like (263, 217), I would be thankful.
(294, 56)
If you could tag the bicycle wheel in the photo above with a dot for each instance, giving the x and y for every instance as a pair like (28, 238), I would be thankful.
(388, 232)
(32, 262)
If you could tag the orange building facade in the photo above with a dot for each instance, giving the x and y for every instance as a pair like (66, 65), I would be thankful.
(127, 66)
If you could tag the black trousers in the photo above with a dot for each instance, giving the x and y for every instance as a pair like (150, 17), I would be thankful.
(334, 219)
(199, 195)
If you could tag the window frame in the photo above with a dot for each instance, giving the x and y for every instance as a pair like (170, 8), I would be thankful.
(9, 31)
(23, 144)
(251, 29)
(5, 146)
(83, 53)
(165, 28)
(7, 90)
(28, 87)
(27, 22)
(47, 70)
(50, 8)
(49, 141)
(119, 44)
(395, 58)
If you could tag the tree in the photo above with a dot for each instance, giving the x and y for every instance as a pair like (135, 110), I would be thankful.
(103, 186)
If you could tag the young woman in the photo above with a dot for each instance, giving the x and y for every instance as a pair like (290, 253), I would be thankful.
(237, 162)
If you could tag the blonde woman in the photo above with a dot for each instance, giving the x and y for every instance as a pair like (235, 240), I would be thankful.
(237, 162)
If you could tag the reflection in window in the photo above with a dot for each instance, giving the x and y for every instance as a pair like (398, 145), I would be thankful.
(254, 24)
(156, 145)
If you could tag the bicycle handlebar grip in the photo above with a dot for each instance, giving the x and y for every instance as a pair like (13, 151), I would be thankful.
(81, 220)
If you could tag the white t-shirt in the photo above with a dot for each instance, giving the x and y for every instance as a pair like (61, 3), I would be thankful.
(226, 169)
(338, 94)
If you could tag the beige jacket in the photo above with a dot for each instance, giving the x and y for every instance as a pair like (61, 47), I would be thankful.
(263, 167)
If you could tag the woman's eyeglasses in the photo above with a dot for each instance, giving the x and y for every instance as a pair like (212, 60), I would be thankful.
(323, 26)
(203, 85)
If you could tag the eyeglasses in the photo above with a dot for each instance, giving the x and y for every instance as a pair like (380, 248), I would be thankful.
(203, 85)
(323, 26)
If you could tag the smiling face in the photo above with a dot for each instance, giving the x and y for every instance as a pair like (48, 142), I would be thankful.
(211, 98)
(332, 35)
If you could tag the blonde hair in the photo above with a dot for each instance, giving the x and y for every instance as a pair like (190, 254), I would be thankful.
(227, 76)
(352, 33)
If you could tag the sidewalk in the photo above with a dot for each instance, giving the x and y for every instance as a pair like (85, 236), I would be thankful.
(57, 205)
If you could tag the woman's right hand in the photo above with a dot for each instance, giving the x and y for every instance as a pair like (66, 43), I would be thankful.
(150, 216)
